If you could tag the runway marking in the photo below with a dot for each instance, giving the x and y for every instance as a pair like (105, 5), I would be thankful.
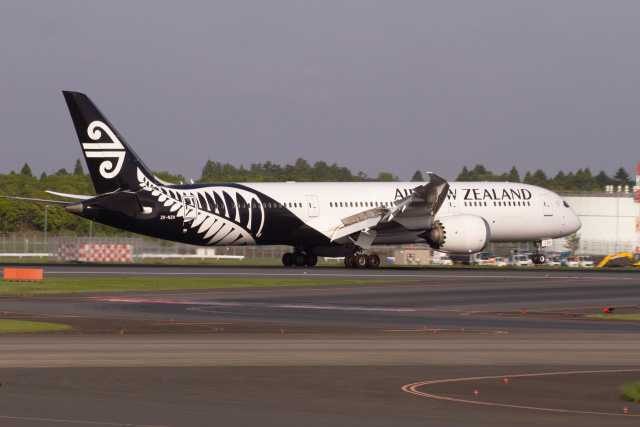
(272, 305)
(412, 388)
(466, 331)
(305, 274)
(324, 288)
(98, 423)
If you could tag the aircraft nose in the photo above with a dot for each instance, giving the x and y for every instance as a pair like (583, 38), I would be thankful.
(573, 222)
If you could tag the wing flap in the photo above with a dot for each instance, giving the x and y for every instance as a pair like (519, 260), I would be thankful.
(415, 212)
(419, 208)
(355, 227)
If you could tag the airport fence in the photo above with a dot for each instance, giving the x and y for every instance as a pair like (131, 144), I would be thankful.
(69, 247)
(35, 245)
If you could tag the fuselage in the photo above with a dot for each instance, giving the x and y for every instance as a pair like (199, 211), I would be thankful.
(309, 213)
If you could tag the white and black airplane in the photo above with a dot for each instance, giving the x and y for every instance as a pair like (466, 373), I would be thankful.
(326, 219)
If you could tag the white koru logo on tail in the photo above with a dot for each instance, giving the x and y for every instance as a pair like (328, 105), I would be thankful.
(109, 150)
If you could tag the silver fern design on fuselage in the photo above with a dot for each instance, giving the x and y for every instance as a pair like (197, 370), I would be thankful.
(222, 215)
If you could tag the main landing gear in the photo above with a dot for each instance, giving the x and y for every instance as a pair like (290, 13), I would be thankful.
(538, 258)
(299, 258)
(362, 261)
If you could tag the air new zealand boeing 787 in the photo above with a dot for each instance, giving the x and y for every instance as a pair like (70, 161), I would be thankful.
(327, 219)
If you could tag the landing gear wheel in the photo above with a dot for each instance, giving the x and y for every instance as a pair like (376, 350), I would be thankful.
(350, 261)
(374, 261)
(287, 259)
(542, 258)
(312, 260)
(535, 258)
(362, 261)
(299, 259)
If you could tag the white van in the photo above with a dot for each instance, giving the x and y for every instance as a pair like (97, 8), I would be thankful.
(522, 260)
(585, 261)
(498, 262)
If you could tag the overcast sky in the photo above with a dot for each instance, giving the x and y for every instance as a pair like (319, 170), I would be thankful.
(394, 86)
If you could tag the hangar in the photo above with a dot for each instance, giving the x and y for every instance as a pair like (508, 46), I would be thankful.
(609, 221)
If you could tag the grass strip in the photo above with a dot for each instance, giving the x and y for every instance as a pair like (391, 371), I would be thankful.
(631, 316)
(631, 391)
(16, 326)
(62, 285)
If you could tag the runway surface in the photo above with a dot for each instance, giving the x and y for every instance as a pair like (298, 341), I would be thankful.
(413, 348)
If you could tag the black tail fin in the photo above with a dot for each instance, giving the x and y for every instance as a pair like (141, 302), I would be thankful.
(113, 165)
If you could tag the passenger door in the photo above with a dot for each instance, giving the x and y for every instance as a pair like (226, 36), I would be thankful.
(546, 205)
(314, 206)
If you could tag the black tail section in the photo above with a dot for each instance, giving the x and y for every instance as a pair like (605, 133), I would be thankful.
(113, 165)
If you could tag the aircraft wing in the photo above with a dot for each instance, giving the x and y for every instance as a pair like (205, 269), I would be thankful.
(417, 211)
(414, 212)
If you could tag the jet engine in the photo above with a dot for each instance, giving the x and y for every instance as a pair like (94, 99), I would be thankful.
(459, 234)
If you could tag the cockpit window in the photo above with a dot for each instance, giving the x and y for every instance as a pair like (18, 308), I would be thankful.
(566, 205)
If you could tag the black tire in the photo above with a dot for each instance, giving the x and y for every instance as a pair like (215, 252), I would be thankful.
(287, 259)
(535, 259)
(362, 261)
(299, 259)
(374, 261)
(312, 260)
(349, 261)
(542, 258)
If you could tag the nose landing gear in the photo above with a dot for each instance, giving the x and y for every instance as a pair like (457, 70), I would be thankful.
(538, 258)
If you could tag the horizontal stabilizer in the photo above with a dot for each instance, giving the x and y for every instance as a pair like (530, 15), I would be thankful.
(53, 202)
(125, 202)
(71, 196)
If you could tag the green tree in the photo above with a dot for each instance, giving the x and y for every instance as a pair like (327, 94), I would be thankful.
(602, 180)
(539, 178)
(417, 177)
(26, 170)
(513, 176)
(572, 243)
(78, 169)
(169, 177)
(386, 177)
(621, 177)
(464, 175)
(302, 170)
(559, 181)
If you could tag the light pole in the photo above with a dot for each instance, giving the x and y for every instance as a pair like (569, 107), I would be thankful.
(46, 209)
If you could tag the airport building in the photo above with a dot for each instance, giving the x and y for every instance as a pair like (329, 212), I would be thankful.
(609, 221)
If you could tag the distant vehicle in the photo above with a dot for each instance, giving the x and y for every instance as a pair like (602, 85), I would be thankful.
(522, 260)
(482, 258)
(585, 261)
(554, 261)
(572, 262)
(499, 262)
(443, 260)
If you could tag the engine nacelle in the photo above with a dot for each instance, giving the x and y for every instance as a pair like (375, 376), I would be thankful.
(459, 234)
